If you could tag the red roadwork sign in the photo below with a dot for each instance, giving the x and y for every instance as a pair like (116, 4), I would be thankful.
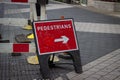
(55, 36)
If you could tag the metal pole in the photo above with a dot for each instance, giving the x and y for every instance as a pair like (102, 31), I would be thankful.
(33, 15)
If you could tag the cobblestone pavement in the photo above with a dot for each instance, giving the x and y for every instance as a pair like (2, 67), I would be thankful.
(98, 37)
(104, 68)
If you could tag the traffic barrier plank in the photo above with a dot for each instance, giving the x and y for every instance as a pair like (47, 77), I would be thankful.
(19, 1)
(17, 48)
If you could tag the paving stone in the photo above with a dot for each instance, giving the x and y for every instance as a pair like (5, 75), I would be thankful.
(117, 69)
(105, 78)
(103, 65)
(94, 70)
(118, 78)
(118, 62)
(90, 65)
(115, 73)
(116, 57)
(94, 63)
(96, 76)
(59, 78)
(87, 67)
(78, 78)
(113, 66)
(82, 76)
(108, 62)
(91, 78)
(99, 67)
(71, 74)
(88, 72)
(111, 77)
(107, 70)
(101, 73)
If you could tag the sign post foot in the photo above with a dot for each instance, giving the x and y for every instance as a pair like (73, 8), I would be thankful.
(44, 66)
(76, 61)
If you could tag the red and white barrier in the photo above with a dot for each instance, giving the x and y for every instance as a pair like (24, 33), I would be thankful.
(17, 48)
(23, 47)
(24, 1)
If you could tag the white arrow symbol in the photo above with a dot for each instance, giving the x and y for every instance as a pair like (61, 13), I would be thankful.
(64, 39)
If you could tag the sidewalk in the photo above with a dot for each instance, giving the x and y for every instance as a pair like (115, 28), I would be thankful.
(104, 68)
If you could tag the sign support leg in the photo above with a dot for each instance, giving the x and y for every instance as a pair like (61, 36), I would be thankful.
(76, 61)
(44, 66)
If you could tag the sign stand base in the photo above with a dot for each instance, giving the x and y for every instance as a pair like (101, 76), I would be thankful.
(0, 36)
(76, 60)
(45, 64)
